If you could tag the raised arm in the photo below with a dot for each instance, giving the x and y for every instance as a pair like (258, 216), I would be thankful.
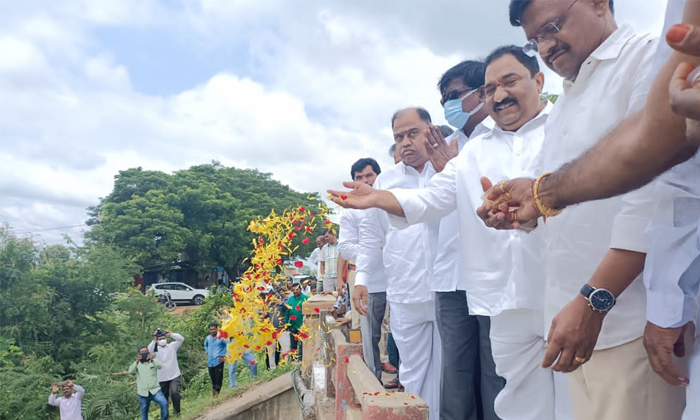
(179, 339)
(79, 391)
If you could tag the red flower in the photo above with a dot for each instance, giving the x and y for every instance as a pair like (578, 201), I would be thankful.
(293, 351)
(297, 228)
(293, 318)
(305, 336)
(305, 241)
(274, 335)
(298, 308)
(295, 222)
(269, 343)
(252, 362)
(328, 222)
(308, 229)
(346, 360)
(343, 197)
(317, 310)
(246, 346)
(301, 209)
(302, 218)
(261, 240)
(298, 264)
(223, 335)
(284, 354)
(291, 236)
(279, 261)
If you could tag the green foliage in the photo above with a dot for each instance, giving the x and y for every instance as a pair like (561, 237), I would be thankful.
(200, 214)
(551, 97)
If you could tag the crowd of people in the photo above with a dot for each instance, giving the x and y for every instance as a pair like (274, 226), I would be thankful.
(506, 301)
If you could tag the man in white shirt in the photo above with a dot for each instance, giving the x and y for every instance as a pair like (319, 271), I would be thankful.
(407, 260)
(369, 289)
(329, 261)
(169, 377)
(596, 248)
(315, 258)
(70, 404)
(468, 370)
(512, 292)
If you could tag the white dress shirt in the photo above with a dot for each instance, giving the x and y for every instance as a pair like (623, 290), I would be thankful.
(406, 253)
(447, 275)
(612, 84)
(315, 258)
(69, 408)
(167, 356)
(372, 276)
(500, 270)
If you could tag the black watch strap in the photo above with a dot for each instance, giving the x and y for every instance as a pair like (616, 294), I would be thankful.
(586, 290)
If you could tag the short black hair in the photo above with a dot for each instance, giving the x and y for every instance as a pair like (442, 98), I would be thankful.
(517, 8)
(295, 285)
(329, 230)
(213, 324)
(362, 164)
(530, 63)
(446, 130)
(422, 113)
(470, 72)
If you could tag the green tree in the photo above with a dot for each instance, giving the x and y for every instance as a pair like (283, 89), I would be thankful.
(199, 215)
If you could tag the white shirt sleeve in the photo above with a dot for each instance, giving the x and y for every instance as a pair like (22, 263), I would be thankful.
(179, 339)
(79, 391)
(372, 233)
(348, 241)
(432, 203)
(53, 400)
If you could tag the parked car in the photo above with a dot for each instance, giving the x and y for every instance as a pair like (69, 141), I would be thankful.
(180, 292)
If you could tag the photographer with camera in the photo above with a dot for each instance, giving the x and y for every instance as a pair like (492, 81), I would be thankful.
(147, 386)
(70, 406)
(169, 377)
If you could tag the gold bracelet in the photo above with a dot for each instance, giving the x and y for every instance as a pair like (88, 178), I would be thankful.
(542, 208)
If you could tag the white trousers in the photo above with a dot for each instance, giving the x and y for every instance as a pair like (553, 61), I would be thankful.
(531, 392)
(416, 335)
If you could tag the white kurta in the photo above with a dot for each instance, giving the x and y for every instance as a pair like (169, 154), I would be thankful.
(407, 260)
(612, 84)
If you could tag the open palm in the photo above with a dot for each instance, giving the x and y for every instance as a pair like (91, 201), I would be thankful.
(358, 197)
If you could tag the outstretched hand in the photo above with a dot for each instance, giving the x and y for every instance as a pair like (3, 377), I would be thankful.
(359, 197)
(508, 205)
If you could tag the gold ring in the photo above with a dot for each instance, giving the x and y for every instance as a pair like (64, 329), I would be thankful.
(580, 359)
(435, 145)
(514, 217)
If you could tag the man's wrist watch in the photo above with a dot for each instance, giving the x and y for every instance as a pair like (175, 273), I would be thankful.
(600, 300)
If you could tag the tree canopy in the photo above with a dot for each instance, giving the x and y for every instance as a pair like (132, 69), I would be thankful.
(200, 214)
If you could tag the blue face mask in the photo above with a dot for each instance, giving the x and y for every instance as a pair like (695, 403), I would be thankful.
(454, 114)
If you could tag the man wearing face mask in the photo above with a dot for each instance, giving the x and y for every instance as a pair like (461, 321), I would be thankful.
(169, 377)
(469, 378)
(460, 99)
(147, 386)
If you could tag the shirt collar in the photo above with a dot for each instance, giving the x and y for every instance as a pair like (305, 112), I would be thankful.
(409, 170)
(541, 116)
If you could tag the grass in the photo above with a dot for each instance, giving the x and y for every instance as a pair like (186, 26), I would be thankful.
(193, 408)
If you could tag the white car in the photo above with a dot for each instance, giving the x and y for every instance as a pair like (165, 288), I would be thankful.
(180, 292)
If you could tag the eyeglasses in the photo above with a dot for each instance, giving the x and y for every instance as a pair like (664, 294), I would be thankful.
(546, 33)
(412, 135)
(456, 94)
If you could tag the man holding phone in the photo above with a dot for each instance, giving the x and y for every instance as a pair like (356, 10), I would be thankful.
(147, 386)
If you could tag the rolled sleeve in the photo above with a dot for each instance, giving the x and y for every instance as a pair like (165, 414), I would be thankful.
(631, 222)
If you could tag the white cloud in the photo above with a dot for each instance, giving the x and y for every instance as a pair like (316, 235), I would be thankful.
(314, 93)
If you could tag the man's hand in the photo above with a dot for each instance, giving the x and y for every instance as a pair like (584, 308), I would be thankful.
(69, 383)
(359, 197)
(168, 333)
(54, 388)
(439, 152)
(150, 357)
(661, 344)
(360, 299)
(343, 321)
(221, 359)
(572, 336)
(508, 205)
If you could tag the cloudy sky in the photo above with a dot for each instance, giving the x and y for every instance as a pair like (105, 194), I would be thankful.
(299, 88)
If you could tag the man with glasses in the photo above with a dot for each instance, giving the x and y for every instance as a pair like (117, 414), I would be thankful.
(595, 251)
(511, 293)
(469, 378)
(407, 258)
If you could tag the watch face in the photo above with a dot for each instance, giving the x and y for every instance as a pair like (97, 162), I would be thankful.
(602, 300)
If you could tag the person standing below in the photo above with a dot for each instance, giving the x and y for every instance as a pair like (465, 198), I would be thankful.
(70, 404)
(215, 347)
(169, 377)
(315, 258)
(329, 262)
(469, 379)
(147, 386)
(369, 288)
(407, 258)
(295, 319)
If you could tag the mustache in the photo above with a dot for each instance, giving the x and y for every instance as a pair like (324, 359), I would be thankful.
(554, 51)
(506, 101)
